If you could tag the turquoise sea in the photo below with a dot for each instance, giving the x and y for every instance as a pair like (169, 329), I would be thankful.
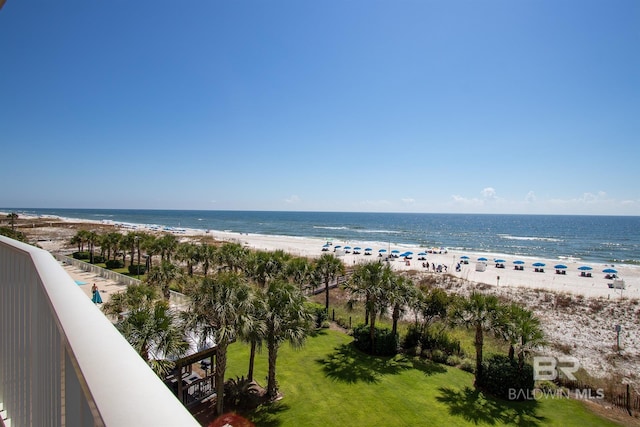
(606, 239)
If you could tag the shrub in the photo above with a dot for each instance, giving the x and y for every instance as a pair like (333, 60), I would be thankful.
(385, 342)
(133, 268)
(468, 366)
(325, 324)
(501, 375)
(98, 259)
(411, 338)
(438, 356)
(453, 360)
(80, 255)
(440, 341)
(319, 313)
(114, 263)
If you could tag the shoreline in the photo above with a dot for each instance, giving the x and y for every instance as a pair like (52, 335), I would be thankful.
(549, 241)
(578, 313)
(572, 282)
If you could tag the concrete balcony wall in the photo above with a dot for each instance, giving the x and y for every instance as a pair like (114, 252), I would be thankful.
(62, 363)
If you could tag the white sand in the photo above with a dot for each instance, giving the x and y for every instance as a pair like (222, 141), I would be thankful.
(584, 328)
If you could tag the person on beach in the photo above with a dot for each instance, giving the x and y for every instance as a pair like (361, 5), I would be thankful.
(96, 298)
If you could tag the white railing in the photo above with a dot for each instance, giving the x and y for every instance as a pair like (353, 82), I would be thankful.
(62, 363)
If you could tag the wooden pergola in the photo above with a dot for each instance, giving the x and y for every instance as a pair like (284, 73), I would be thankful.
(188, 386)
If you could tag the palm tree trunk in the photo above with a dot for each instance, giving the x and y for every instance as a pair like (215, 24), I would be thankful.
(372, 332)
(272, 387)
(252, 357)
(479, 344)
(326, 294)
(396, 316)
(221, 367)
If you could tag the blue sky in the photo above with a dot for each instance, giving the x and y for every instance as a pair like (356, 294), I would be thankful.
(529, 106)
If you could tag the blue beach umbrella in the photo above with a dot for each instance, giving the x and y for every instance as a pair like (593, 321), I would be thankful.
(464, 257)
(337, 246)
(395, 251)
(347, 247)
(610, 271)
(422, 253)
(499, 261)
(538, 264)
(518, 262)
(482, 259)
(560, 266)
(585, 268)
(368, 249)
(357, 248)
(382, 250)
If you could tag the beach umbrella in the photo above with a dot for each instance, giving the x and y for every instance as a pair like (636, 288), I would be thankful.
(585, 268)
(357, 248)
(610, 271)
(499, 261)
(538, 264)
(482, 259)
(382, 250)
(559, 266)
(347, 247)
(518, 262)
(326, 245)
(368, 249)
(409, 253)
(464, 257)
(395, 251)
(337, 247)
(422, 253)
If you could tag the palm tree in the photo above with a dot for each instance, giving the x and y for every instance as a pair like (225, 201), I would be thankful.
(369, 283)
(162, 277)
(77, 240)
(400, 293)
(167, 245)
(221, 306)
(478, 311)
(329, 268)
(151, 246)
(188, 252)
(521, 329)
(149, 325)
(263, 267)
(208, 256)
(254, 332)
(12, 220)
(232, 256)
(128, 242)
(299, 270)
(92, 239)
(287, 319)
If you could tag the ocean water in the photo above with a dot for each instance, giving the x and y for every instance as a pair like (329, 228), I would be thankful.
(604, 239)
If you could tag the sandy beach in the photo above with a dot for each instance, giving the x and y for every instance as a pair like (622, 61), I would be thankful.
(578, 313)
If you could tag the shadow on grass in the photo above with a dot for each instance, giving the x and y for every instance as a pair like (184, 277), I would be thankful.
(266, 415)
(349, 365)
(473, 406)
(428, 367)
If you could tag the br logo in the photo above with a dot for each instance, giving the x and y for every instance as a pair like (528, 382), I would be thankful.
(547, 367)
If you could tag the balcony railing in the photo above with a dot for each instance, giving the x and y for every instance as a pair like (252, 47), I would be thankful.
(62, 363)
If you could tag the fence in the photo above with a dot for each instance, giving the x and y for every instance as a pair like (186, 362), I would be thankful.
(102, 272)
(620, 395)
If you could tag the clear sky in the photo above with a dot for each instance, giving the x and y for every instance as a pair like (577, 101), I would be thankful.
(509, 106)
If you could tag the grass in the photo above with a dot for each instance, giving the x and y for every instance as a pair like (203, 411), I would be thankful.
(328, 382)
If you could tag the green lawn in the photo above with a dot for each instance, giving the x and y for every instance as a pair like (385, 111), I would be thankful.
(328, 383)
